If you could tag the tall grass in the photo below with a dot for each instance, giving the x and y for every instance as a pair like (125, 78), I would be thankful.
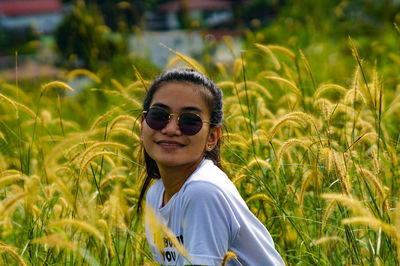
(317, 163)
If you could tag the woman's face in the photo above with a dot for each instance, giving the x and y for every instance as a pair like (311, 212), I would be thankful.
(169, 147)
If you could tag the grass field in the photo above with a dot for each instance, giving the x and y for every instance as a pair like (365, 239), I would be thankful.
(316, 162)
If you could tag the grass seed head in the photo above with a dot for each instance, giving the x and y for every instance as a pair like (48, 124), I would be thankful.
(85, 226)
(12, 251)
(267, 50)
(83, 72)
(260, 196)
(284, 50)
(327, 239)
(158, 230)
(292, 85)
(349, 201)
(55, 84)
(228, 256)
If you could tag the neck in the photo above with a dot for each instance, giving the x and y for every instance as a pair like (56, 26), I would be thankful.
(174, 177)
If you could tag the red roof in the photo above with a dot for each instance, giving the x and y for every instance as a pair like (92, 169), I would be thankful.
(29, 7)
(175, 5)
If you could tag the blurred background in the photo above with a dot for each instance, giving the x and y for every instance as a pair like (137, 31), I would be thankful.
(311, 106)
(53, 36)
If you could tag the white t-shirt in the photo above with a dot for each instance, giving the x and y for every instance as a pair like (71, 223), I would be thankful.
(209, 217)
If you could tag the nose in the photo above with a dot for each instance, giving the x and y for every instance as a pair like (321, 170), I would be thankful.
(172, 128)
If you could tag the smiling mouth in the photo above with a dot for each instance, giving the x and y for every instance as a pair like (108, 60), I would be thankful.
(170, 144)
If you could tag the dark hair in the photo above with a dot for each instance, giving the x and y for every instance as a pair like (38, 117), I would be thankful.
(213, 97)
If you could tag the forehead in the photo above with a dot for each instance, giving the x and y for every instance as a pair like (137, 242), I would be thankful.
(177, 95)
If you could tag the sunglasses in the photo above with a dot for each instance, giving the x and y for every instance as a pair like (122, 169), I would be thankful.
(189, 123)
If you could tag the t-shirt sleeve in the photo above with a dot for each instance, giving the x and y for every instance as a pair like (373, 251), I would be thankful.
(209, 224)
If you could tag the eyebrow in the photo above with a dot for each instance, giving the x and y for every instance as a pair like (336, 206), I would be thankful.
(185, 108)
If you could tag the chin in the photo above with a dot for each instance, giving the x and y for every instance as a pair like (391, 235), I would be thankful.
(176, 161)
(171, 162)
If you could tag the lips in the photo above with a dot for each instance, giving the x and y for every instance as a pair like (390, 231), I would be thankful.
(169, 143)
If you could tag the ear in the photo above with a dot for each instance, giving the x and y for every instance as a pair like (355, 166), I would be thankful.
(213, 137)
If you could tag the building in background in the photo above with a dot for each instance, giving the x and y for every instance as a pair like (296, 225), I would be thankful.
(208, 20)
(40, 15)
(175, 14)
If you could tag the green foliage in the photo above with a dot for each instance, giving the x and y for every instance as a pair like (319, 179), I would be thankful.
(83, 36)
(24, 41)
(122, 16)
(321, 30)
(261, 10)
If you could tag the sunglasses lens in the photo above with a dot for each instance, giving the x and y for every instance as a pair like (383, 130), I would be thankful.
(156, 118)
(190, 123)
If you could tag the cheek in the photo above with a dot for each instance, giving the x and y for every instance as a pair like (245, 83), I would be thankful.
(201, 139)
(146, 134)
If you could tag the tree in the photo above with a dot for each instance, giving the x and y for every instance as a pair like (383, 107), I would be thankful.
(83, 36)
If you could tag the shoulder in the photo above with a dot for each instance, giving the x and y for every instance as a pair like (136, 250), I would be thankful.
(209, 182)
(209, 207)
(208, 172)
(203, 195)
(207, 178)
(201, 190)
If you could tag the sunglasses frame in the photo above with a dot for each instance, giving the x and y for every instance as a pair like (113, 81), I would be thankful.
(179, 117)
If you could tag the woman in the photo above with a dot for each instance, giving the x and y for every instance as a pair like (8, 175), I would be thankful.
(180, 131)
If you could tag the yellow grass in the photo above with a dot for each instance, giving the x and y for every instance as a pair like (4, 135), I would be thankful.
(328, 87)
(79, 224)
(266, 49)
(261, 197)
(158, 229)
(72, 194)
(12, 252)
(83, 72)
(292, 86)
(228, 256)
(190, 61)
(55, 84)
